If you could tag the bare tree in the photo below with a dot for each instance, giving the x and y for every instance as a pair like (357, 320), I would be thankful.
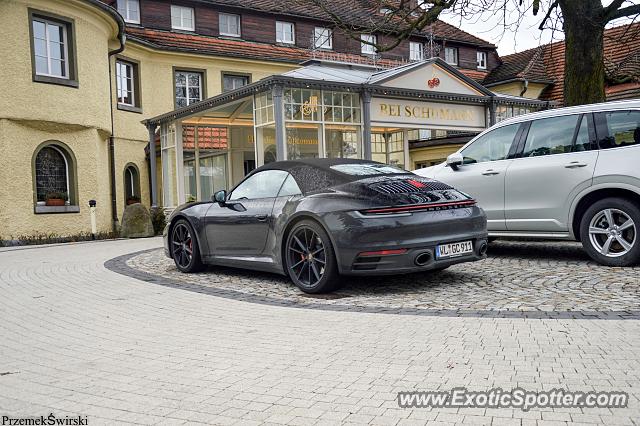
(582, 21)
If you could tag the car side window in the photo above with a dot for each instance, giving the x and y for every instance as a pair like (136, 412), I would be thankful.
(550, 136)
(623, 129)
(492, 146)
(583, 139)
(289, 187)
(265, 184)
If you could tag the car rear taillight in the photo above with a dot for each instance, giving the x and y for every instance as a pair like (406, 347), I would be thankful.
(420, 207)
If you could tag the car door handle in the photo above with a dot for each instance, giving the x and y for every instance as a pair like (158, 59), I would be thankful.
(262, 218)
(490, 172)
(575, 165)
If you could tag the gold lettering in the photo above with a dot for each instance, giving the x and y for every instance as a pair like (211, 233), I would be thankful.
(384, 109)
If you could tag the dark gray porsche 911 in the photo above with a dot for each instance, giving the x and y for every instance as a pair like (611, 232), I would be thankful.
(314, 220)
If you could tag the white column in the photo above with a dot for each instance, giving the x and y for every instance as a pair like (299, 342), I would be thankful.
(179, 165)
(407, 160)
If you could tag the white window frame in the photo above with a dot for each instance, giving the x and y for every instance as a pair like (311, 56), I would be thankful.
(368, 49)
(234, 76)
(454, 50)
(228, 16)
(482, 60)
(323, 38)
(180, 13)
(120, 78)
(281, 33)
(65, 46)
(416, 51)
(124, 6)
(187, 86)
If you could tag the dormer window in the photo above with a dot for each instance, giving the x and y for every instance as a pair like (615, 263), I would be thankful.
(285, 32)
(367, 44)
(322, 38)
(416, 52)
(182, 18)
(229, 25)
(482, 60)
(130, 10)
(451, 55)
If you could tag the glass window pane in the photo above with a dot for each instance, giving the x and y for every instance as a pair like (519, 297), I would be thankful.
(624, 129)
(55, 33)
(492, 146)
(57, 67)
(181, 79)
(194, 79)
(56, 50)
(302, 141)
(39, 30)
(583, 141)
(264, 184)
(42, 66)
(550, 136)
(289, 187)
(40, 48)
(342, 141)
(51, 172)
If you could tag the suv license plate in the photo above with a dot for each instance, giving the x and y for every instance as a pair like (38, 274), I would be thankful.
(454, 249)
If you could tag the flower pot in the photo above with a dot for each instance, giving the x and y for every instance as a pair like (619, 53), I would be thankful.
(41, 203)
(129, 202)
(57, 202)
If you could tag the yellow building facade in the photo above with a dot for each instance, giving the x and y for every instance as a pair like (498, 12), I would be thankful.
(61, 129)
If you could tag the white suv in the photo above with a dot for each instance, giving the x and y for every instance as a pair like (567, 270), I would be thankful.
(570, 173)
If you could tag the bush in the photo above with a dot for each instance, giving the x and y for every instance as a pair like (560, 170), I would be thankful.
(158, 219)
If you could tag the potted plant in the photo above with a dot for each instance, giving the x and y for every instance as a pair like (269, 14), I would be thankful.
(56, 198)
(134, 199)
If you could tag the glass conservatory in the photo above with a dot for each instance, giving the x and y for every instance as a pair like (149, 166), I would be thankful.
(324, 110)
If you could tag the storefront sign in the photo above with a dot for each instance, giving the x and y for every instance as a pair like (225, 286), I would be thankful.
(424, 114)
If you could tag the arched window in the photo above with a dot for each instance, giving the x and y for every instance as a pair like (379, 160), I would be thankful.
(54, 172)
(131, 183)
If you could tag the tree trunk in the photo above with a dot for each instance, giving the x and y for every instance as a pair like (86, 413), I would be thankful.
(584, 76)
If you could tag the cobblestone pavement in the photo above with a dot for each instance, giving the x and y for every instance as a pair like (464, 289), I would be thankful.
(76, 338)
(538, 278)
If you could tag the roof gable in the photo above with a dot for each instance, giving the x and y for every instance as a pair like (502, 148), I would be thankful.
(434, 75)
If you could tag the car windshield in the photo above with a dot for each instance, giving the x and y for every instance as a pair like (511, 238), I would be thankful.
(368, 169)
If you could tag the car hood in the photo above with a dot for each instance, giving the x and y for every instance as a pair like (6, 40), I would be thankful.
(429, 172)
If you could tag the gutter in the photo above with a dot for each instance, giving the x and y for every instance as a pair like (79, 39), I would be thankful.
(112, 162)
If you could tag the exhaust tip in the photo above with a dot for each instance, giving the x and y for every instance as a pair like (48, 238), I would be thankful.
(483, 249)
(423, 258)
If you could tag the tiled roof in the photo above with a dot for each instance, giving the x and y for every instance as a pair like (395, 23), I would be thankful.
(478, 76)
(355, 12)
(215, 46)
(546, 63)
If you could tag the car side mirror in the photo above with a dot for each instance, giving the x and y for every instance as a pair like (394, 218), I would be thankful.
(220, 197)
(455, 160)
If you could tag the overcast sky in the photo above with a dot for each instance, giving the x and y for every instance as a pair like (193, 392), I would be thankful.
(488, 27)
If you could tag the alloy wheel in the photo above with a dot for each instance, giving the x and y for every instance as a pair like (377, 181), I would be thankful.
(182, 245)
(307, 256)
(612, 232)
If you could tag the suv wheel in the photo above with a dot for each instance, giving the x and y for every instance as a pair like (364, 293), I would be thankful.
(609, 232)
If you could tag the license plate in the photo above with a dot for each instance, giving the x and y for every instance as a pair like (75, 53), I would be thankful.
(454, 249)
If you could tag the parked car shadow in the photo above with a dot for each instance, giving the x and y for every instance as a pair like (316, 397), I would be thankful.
(539, 250)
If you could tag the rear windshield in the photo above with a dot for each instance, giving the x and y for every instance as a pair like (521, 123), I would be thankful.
(368, 169)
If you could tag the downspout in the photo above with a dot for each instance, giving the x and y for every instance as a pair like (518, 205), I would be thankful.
(112, 159)
(525, 87)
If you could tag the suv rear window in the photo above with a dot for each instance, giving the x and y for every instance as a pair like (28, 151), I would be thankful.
(622, 129)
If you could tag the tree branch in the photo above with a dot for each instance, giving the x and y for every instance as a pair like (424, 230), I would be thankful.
(622, 13)
(548, 15)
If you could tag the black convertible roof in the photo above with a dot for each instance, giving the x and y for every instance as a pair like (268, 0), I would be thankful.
(314, 174)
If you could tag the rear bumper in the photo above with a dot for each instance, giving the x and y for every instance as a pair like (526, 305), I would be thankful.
(418, 233)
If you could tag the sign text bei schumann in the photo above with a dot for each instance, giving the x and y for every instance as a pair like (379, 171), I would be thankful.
(425, 114)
